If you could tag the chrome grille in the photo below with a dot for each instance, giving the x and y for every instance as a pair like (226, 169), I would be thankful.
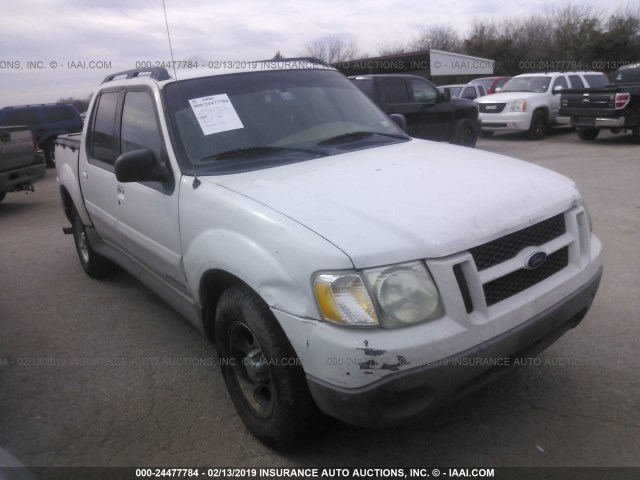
(491, 107)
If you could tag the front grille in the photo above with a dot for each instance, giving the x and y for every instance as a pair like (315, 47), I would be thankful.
(504, 248)
(515, 282)
(491, 107)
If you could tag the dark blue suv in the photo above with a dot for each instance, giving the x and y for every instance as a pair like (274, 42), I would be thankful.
(46, 121)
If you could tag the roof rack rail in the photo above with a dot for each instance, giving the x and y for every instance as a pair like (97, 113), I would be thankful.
(156, 73)
(32, 105)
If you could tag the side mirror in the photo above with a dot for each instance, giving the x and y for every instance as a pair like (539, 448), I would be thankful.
(557, 89)
(140, 166)
(399, 120)
(497, 90)
(446, 95)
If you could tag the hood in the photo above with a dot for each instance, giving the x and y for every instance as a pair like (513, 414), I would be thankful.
(506, 97)
(412, 200)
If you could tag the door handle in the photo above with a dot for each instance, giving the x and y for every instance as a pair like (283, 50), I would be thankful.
(120, 194)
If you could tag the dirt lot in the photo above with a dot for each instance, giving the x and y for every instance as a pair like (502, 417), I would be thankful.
(103, 373)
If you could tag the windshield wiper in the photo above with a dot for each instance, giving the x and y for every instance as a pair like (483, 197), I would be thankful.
(252, 151)
(348, 137)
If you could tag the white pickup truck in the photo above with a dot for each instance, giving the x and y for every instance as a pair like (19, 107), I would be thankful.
(339, 265)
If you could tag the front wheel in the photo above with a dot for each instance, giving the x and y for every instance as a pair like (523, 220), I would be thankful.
(262, 372)
(94, 264)
(465, 133)
(539, 126)
(2, 195)
(588, 134)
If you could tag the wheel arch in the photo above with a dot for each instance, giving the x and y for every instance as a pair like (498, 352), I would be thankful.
(212, 285)
(67, 203)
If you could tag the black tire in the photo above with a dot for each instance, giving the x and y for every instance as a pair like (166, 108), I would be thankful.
(486, 133)
(50, 154)
(588, 134)
(2, 195)
(539, 126)
(94, 264)
(261, 370)
(635, 134)
(465, 133)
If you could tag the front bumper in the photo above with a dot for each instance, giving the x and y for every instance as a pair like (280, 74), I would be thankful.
(506, 121)
(419, 391)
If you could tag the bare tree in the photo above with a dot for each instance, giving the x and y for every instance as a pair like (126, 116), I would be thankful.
(392, 48)
(332, 49)
(80, 104)
(438, 38)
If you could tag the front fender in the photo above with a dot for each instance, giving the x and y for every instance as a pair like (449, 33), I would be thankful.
(249, 261)
(272, 253)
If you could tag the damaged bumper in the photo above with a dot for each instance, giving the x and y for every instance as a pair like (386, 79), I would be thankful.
(414, 392)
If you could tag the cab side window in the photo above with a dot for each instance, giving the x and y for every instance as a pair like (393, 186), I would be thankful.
(560, 82)
(423, 92)
(576, 81)
(102, 143)
(395, 90)
(22, 116)
(140, 128)
(469, 93)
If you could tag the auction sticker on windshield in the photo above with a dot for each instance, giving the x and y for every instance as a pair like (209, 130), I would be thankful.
(215, 114)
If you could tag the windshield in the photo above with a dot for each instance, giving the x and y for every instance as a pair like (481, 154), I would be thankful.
(536, 84)
(248, 121)
(455, 91)
(596, 80)
(485, 82)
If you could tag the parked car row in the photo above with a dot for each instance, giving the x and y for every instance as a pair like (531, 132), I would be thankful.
(587, 101)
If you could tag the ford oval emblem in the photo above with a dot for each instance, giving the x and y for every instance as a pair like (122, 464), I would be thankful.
(535, 260)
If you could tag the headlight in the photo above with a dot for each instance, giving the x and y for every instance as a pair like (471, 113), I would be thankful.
(404, 294)
(519, 105)
(344, 299)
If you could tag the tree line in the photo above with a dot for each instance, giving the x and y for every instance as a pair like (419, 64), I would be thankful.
(572, 37)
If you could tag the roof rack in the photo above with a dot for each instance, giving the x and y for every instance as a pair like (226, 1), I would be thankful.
(155, 73)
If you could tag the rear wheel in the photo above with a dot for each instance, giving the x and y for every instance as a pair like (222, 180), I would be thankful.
(539, 126)
(94, 264)
(262, 372)
(2, 195)
(588, 134)
(635, 134)
(50, 154)
(465, 133)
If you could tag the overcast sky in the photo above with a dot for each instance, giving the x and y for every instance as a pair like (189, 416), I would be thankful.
(43, 42)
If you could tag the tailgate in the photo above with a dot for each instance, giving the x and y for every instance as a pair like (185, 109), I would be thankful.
(16, 148)
(589, 102)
